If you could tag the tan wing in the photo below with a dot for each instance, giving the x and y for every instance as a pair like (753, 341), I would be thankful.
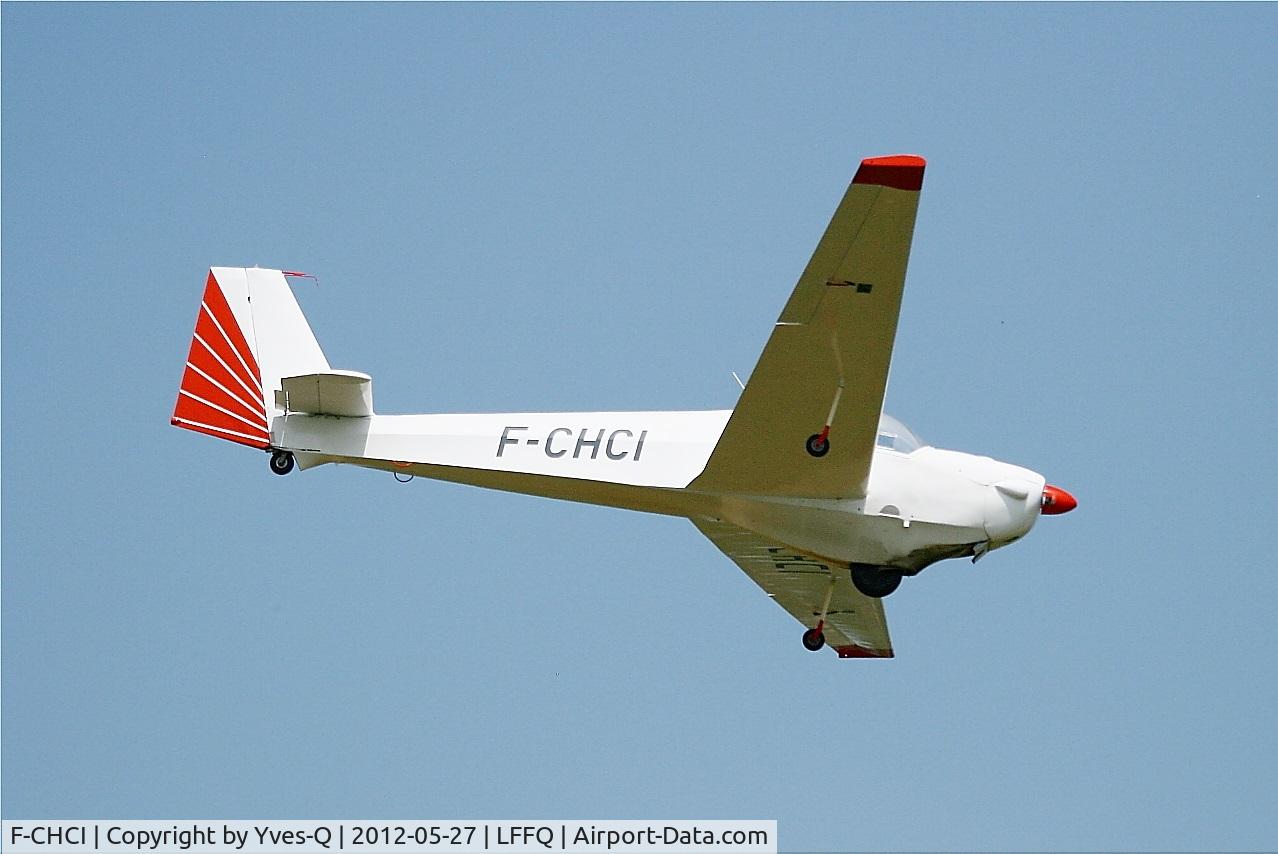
(836, 332)
(854, 623)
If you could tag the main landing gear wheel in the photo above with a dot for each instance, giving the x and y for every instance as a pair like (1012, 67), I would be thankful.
(818, 445)
(282, 462)
(813, 639)
(875, 581)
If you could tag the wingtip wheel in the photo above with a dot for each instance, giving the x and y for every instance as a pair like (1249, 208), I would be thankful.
(282, 462)
(818, 444)
(813, 639)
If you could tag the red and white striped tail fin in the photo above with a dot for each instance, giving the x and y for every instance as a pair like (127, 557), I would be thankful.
(249, 334)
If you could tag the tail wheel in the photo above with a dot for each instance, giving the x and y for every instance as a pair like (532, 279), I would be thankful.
(813, 639)
(282, 462)
(875, 581)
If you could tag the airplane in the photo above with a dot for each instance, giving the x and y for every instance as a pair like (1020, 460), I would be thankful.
(823, 499)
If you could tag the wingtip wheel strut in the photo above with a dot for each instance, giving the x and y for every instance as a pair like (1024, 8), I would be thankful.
(814, 638)
(818, 444)
(282, 462)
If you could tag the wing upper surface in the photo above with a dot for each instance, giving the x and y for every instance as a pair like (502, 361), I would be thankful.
(832, 341)
(855, 624)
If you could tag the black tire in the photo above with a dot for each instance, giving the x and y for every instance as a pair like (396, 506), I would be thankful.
(813, 640)
(875, 581)
(817, 446)
(282, 462)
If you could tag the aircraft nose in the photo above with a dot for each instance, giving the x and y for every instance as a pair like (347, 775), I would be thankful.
(1057, 501)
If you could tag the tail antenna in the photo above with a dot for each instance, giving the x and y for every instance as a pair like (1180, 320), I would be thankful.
(299, 275)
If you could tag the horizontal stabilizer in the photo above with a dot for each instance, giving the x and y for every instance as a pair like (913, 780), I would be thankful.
(345, 393)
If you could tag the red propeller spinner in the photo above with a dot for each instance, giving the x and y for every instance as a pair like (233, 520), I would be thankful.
(1057, 501)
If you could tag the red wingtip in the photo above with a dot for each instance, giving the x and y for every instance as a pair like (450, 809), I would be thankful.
(854, 651)
(898, 171)
(1057, 501)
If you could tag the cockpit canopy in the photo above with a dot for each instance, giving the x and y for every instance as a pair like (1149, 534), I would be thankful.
(895, 436)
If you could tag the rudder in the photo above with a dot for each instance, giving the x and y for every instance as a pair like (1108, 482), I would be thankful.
(249, 334)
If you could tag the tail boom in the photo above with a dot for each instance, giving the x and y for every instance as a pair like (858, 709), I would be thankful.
(648, 449)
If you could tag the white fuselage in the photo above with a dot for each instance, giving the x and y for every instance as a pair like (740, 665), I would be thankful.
(921, 506)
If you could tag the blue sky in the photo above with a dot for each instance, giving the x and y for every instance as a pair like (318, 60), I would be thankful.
(604, 207)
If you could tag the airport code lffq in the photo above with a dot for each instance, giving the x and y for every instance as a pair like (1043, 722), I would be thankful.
(369, 836)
